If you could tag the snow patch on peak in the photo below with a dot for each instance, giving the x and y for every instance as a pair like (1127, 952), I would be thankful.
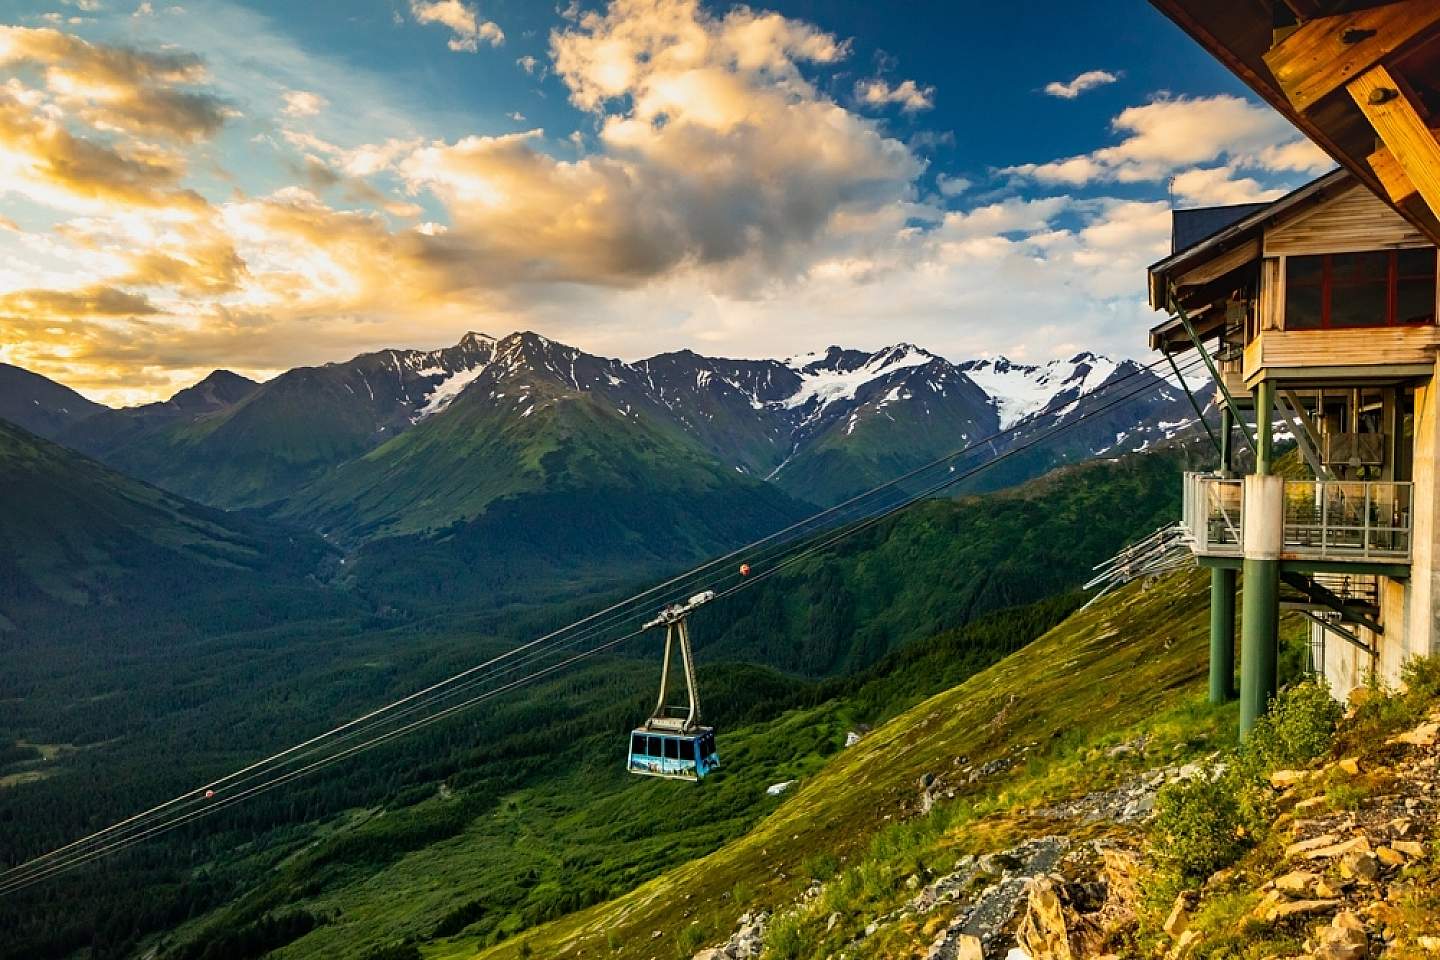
(1023, 390)
(448, 389)
(824, 379)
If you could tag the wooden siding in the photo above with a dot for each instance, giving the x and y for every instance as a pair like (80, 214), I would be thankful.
(1355, 220)
(1272, 293)
(1364, 347)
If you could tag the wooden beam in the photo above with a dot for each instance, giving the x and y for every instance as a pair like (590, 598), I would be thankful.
(1326, 54)
(1305, 9)
(1397, 185)
(1220, 265)
(1393, 115)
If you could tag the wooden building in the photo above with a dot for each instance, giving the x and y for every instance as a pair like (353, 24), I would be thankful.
(1318, 311)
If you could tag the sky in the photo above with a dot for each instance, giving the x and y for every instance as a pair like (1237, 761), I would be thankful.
(260, 185)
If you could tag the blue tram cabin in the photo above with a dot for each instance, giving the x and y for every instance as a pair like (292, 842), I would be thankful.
(678, 756)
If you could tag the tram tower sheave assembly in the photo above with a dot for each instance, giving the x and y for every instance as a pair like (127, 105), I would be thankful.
(1318, 312)
(673, 743)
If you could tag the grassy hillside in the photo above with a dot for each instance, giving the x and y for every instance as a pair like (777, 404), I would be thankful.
(80, 541)
(945, 562)
(1135, 655)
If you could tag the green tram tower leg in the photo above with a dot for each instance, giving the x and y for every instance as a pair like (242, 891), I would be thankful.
(1222, 593)
(1260, 604)
(1222, 635)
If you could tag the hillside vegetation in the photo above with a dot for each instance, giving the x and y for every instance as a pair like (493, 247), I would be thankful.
(514, 813)
(1134, 656)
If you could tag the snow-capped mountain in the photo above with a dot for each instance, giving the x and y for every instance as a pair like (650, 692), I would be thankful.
(821, 426)
(1020, 390)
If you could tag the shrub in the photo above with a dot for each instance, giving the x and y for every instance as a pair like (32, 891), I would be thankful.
(1297, 729)
(1421, 676)
(394, 951)
(821, 866)
(1197, 827)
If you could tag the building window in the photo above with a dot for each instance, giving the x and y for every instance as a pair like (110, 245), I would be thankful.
(1373, 289)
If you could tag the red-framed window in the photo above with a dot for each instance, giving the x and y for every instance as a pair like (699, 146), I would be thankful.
(1378, 288)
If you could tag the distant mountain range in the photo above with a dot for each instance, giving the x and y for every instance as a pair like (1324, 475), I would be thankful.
(492, 450)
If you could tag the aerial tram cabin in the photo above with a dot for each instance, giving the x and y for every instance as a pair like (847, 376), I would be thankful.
(673, 743)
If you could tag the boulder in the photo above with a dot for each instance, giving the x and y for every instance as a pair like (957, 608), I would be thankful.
(1360, 865)
(1343, 939)
(1297, 883)
(1044, 932)
(1389, 856)
(1285, 779)
(1424, 735)
(1355, 845)
(1409, 848)
(1178, 920)
(1286, 909)
(1314, 843)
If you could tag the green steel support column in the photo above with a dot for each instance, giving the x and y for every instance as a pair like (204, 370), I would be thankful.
(1265, 428)
(1227, 449)
(1222, 635)
(1259, 629)
(1222, 590)
(1263, 536)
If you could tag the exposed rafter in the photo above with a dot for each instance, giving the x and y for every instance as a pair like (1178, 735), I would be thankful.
(1325, 54)
(1412, 144)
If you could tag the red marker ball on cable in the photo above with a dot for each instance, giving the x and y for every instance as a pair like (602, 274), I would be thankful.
(744, 569)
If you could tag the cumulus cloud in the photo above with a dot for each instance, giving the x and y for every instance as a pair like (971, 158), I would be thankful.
(910, 97)
(1088, 80)
(117, 88)
(952, 186)
(1215, 186)
(302, 103)
(714, 151)
(44, 162)
(468, 28)
(1170, 134)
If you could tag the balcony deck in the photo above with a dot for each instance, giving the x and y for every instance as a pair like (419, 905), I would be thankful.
(1327, 521)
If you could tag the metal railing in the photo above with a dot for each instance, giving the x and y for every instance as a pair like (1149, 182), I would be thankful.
(1324, 519)
(1340, 519)
(1214, 514)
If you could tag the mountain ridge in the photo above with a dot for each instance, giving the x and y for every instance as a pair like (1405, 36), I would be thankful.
(821, 426)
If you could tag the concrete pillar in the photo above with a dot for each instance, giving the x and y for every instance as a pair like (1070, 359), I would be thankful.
(1260, 605)
(1222, 634)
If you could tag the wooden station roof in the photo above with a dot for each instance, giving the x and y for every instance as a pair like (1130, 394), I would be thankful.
(1204, 273)
(1359, 77)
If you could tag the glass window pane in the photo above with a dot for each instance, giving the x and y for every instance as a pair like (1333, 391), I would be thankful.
(1360, 267)
(687, 750)
(1415, 289)
(1303, 271)
(1302, 307)
(1359, 304)
(637, 745)
(1416, 263)
(654, 750)
(672, 749)
(1415, 301)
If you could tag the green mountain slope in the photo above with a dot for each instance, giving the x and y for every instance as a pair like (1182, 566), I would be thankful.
(945, 562)
(1064, 689)
(529, 487)
(39, 404)
(471, 806)
(80, 541)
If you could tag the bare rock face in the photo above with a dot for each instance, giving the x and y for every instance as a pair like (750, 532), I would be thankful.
(1045, 931)
(746, 943)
